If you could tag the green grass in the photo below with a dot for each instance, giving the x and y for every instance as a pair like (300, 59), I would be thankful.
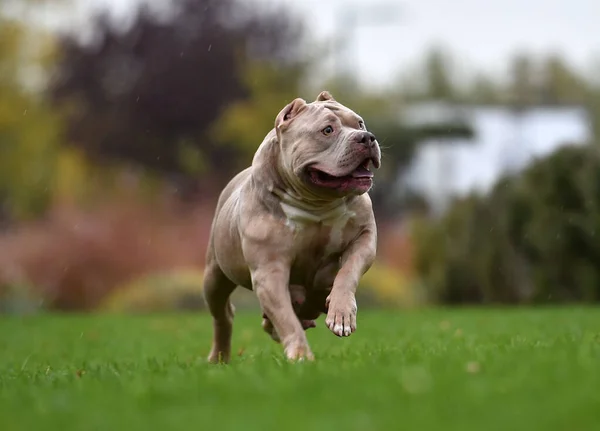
(429, 370)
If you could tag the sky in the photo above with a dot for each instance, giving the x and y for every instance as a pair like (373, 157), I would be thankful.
(481, 34)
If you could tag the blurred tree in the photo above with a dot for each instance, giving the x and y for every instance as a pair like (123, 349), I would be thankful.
(483, 90)
(29, 128)
(522, 89)
(560, 84)
(150, 93)
(531, 239)
(593, 103)
(245, 123)
(438, 74)
(593, 95)
(431, 78)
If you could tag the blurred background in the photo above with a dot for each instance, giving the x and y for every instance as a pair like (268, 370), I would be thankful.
(121, 120)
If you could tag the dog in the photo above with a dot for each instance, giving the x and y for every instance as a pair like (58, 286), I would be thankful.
(296, 227)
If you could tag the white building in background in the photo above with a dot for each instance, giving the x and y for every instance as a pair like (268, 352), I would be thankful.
(504, 140)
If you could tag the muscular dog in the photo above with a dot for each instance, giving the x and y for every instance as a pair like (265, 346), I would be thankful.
(296, 227)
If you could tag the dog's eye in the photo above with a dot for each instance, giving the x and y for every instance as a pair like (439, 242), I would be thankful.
(327, 130)
(361, 125)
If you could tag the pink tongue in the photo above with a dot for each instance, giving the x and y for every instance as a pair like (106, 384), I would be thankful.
(362, 172)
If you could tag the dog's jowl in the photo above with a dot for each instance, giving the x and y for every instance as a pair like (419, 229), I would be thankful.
(296, 227)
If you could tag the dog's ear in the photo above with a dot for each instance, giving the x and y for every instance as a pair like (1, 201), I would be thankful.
(291, 111)
(325, 95)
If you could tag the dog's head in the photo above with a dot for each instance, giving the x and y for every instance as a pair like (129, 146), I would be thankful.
(325, 147)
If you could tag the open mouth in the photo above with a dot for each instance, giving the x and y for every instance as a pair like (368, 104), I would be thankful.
(359, 178)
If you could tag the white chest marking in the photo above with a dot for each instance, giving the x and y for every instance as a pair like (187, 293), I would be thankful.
(300, 213)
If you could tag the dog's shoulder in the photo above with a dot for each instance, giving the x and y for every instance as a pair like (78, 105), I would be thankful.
(362, 207)
(233, 188)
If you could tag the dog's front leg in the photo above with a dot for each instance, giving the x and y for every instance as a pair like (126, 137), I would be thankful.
(341, 302)
(270, 282)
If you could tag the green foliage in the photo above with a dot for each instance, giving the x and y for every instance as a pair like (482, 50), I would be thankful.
(522, 86)
(561, 83)
(532, 239)
(593, 104)
(36, 168)
(531, 80)
(438, 73)
(483, 89)
(245, 124)
(29, 128)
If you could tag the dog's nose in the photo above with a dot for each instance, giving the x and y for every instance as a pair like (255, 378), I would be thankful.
(367, 139)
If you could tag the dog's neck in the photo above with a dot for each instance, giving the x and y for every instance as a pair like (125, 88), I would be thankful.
(297, 209)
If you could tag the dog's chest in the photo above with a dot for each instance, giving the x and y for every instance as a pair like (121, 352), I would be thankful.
(318, 244)
(322, 233)
(319, 240)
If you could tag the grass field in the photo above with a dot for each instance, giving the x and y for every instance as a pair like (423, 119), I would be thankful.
(427, 370)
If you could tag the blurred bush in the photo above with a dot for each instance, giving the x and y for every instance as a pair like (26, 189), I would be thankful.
(385, 287)
(168, 291)
(173, 290)
(532, 239)
(182, 290)
(74, 257)
(126, 255)
(19, 299)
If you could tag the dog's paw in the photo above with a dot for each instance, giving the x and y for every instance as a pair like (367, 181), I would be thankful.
(341, 314)
(299, 353)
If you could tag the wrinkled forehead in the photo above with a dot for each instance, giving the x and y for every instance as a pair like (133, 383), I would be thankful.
(334, 109)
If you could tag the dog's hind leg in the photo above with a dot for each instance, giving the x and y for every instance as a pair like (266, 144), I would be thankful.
(217, 290)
